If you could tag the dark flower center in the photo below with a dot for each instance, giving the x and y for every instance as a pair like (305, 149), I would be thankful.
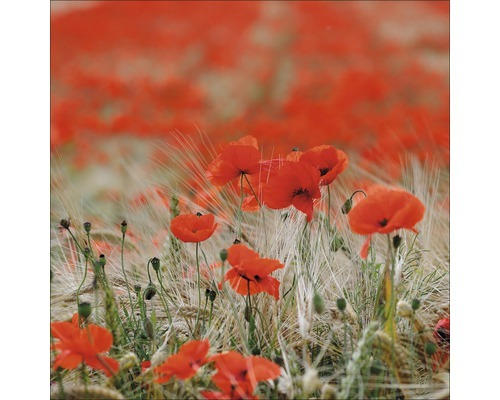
(299, 191)
(383, 222)
(444, 335)
(257, 278)
(324, 171)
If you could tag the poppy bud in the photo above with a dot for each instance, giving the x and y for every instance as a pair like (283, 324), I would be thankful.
(237, 241)
(341, 304)
(124, 226)
(84, 310)
(319, 305)
(415, 304)
(212, 295)
(148, 328)
(223, 255)
(149, 292)
(87, 226)
(346, 207)
(64, 223)
(207, 293)
(86, 252)
(155, 263)
(137, 288)
(396, 241)
(102, 260)
(255, 351)
(430, 348)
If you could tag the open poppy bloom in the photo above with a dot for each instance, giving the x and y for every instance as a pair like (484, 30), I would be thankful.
(237, 158)
(297, 184)
(183, 365)
(193, 228)
(383, 211)
(250, 273)
(77, 345)
(329, 161)
(237, 376)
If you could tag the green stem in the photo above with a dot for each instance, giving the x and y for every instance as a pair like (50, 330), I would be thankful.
(199, 288)
(126, 280)
(329, 204)
(240, 214)
(81, 283)
(165, 304)
(260, 206)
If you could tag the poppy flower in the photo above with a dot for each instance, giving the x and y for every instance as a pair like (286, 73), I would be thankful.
(329, 161)
(193, 228)
(236, 159)
(77, 345)
(183, 365)
(250, 273)
(237, 376)
(297, 184)
(442, 336)
(385, 210)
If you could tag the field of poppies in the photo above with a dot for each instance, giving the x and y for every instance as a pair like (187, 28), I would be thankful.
(250, 200)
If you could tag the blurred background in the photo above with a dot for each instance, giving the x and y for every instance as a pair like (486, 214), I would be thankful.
(370, 77)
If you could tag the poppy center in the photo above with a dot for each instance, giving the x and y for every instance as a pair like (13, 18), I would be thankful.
(324, 171)
(299, 191)
(383, 222)
(257, 278)
(444, 335)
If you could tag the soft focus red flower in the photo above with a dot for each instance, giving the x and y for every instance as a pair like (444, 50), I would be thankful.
(237, 376)
(77, 345)
(250, 273)
(145, 365)
(328, 160)
(297, 184)
(383, 211)
(193, 228)
(237, 158)
(442, 336)
(183, 365)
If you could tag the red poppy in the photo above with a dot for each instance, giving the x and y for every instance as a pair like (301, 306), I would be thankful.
(145, 365)
(237, 376)
(183, 365)
(193, 228)
(329, 161)
(383, 211)
(77, 345)
(297, 184)
(237, 158)
(442, 336)
(250, 273)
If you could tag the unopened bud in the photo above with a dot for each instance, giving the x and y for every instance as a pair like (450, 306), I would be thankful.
(102, 260)
(84, 310)
(149, 292)
(212, 295)
(346, 207)
(341, 304)
(396, 241)
(223, 255)
(319, 305)
(430, 348)
(87, 226)
(124, 226)
(155, 263)
(207, 293)
(148, 328)
(64, 223)
(415, 304)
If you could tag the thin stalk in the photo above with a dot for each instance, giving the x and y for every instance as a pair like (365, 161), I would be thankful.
(126, 280)
(165, 304)
(199, 288)
(329, 205)
(240, 214)
(81, 283)
(260, 206)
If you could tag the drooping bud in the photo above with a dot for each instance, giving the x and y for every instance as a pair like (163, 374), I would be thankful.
(64, 223)
(223, 255)
(149, 292)
(148, 328)
(87, 226)
(346, 207)
(415, 304)
(430, 348)
(319, 305)
(341, 304)
(124, 226)
(396, 241)
(155, 263)
(212, 295)
(84, 310)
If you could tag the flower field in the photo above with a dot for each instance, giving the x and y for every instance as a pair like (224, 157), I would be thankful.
(250, 200)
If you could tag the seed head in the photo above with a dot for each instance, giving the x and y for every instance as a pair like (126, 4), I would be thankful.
(149, 292)
(124, 226)
(415, 304)
(341, 304)
(87, 226)
(64, 223)
(155, 263)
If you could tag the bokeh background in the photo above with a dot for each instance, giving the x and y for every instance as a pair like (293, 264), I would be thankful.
(370, 77)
